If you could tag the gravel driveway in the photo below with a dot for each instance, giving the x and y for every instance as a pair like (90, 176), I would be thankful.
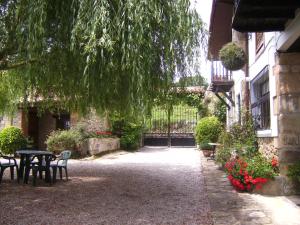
(153, 186)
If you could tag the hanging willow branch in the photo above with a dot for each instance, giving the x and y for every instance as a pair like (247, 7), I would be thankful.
(106, 54)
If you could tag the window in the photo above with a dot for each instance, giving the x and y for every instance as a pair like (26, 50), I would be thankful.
(259, 42)
(261, 100)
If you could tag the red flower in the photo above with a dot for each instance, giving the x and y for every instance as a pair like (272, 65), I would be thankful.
(274, 162)
(103, 133)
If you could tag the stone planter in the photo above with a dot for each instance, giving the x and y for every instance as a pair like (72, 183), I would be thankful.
(95, 146)
(281, 185)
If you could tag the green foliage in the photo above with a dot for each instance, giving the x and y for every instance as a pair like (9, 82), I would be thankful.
(223, 155)
(130, 139)
(260, 167)
(205, 146)
(129, 132)
(190, 81)
(294, 171)
(226, 139)
(60, 140)
(232, 56)
(182, 118)
(220, 111)
(128, 129)
(244, 134)
(208, 129)
(11, 140)
(108, 55)
(246, 151)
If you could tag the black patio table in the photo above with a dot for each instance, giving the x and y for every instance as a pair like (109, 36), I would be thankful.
(25, 160)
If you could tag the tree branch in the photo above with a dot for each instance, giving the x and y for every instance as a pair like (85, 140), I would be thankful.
(4, 65)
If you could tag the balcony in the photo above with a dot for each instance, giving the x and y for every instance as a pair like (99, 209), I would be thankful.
(221, 78)
(263, 15)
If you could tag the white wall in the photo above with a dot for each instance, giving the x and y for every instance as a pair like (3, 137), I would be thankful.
(233, 113)
(266, 57)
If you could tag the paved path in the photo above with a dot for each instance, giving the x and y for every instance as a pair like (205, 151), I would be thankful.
(153, 186)
(229, 207)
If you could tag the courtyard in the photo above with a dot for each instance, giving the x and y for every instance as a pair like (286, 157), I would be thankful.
(152, 186)
(156, 185)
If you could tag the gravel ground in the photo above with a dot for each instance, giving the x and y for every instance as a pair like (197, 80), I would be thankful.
(152, 186)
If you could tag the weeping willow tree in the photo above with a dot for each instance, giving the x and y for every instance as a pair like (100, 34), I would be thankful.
(111, 55)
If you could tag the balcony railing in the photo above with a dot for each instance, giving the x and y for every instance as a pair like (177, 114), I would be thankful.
(219, 72)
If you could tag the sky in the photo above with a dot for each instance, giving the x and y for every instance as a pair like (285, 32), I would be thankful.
(203, 7)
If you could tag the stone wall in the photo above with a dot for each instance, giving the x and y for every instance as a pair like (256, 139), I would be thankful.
(6, 121)
(47, 124)
(287, 107)
(267, 147)
(92, 122)
(95, 146)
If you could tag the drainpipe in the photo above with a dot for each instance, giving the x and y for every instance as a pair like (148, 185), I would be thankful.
(247, 82)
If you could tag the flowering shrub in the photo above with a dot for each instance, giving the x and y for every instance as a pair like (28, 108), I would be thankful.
(243, 177)
(275, 164)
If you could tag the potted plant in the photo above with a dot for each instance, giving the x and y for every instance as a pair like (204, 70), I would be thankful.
(206, 149)
(207, 130)
(232, 56)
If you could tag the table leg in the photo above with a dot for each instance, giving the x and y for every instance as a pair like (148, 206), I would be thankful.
(21, 169)
(47, 172)
(27, 169)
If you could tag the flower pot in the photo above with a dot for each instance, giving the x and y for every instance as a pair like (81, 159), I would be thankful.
(232, 56)
(207, 153)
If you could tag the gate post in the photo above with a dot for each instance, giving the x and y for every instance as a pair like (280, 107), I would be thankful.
(169, 126)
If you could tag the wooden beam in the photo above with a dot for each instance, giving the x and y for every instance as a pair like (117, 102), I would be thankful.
(266, 3)
(263, 15)
(261, 12)
(222, 100)
(228, 97)
(255, 25)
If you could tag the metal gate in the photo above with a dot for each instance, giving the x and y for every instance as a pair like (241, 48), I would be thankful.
(171, 127)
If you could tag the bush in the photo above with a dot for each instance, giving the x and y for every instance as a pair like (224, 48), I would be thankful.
(226, 139)
(241, 136)
(223, 155)
(60, 140)
(294, 171)
(131, 136)
(208, 129)
(232, 56)
(11, 140)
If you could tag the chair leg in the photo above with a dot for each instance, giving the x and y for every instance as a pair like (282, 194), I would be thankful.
(66, 170)
(18, 174)
(41, 174)
(60, 172)
(34, 173)
(11, 172)
(54, 169)
(1, 174)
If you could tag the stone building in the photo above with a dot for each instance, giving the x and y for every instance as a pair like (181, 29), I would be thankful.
(269, 84)
(38, 126)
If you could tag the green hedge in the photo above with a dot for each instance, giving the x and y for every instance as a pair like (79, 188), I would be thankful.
(11, 140)
(208, 129)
